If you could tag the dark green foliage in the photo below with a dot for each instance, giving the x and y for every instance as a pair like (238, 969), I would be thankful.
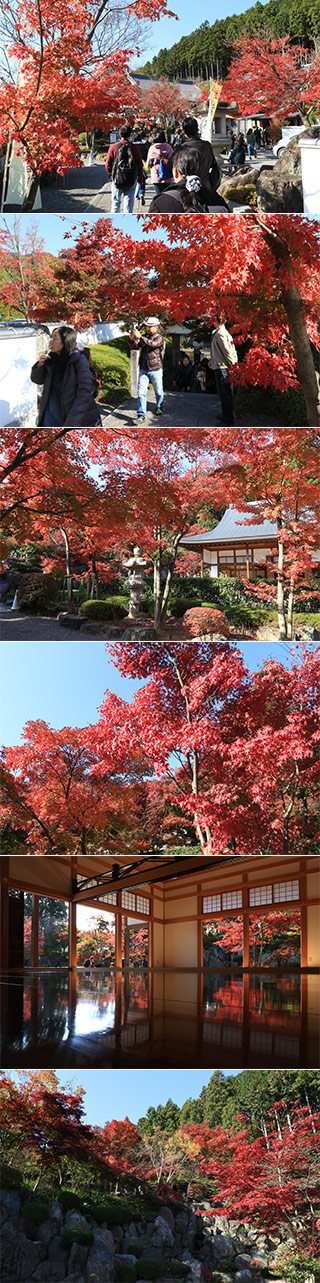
(77, 1236)
(207, 51)
(127, 1273)
(70, 1201)
(178, 606)
(178, 1270)
(99, 1212)
(37, 591)
(37, 1213)
(135, 1249)
(10, 1177)
(254, 1090)
(149, 1268)
(109, 608)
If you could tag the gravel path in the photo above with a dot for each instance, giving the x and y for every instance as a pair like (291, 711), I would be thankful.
(15, 626)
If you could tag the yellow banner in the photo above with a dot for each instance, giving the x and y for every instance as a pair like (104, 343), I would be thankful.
(215, 91)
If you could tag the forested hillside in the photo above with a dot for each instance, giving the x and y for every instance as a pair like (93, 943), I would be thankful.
(252, 1092)
(208, 50)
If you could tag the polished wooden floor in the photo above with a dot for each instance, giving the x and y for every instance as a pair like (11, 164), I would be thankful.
(143, 1019)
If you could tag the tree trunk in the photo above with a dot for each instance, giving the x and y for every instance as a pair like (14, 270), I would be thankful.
(157, 589)
(294, 308)
(280, 592)
(290, 612)
(68, 565)
(286, 835)
(31, 192)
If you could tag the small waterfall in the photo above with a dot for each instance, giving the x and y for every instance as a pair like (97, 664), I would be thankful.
(15, 601)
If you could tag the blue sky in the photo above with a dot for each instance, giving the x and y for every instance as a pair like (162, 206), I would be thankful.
(64, 683)
(53, 227)
(114, 1093)
(167, 32)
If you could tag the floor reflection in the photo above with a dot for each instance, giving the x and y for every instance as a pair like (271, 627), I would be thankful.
(160, 1019)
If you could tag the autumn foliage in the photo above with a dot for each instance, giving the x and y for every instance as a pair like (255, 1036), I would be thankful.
(273, 76)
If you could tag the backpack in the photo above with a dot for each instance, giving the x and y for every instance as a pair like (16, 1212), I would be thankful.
(125, 171)
(165, 168)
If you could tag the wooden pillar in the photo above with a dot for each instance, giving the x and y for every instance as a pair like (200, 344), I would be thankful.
(200, 928)
(4, 912)
(72, 956)
(218, 567)
(246, 924)
(235, 562)
(35, 932)
(247, 563)
(72, 944)
(303, 920)
(202, 564)
(118, 933)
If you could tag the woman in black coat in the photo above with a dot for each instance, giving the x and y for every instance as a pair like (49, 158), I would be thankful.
(64, 375)
(191, 190)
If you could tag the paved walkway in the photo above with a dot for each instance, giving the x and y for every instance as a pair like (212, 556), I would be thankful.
(15, 626)
(180, 410)
(86, 191)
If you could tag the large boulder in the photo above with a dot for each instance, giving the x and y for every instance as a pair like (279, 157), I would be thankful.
(78, 1258)
(100, 1262)
(75, 1221)
(222, 1249)
(195, 1267)
(246, 176)
(279, 190)
(167, 1215)
(11, 1200)
(19, 1257)
(161, 1235)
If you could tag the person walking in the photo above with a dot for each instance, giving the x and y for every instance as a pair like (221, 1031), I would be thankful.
(151, 348)
(257, 136)
(159, 161)
(223, 355)
(250, 143)
(238, 154)
(185, 374)
(190, 188)
(192, 138)
(124, 166)
(67, 391)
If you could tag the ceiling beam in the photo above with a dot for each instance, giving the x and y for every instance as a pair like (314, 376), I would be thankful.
(162, 871)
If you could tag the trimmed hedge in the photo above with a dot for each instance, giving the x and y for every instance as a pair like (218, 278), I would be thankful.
(71, 1202)
(37, 591)
(202, 620)
(127, 1273)
(149, 1268)
(135, 1249)
(10, 1177)
(178, 1269)
(107, 608)
(37, 1213)
(85, 1237)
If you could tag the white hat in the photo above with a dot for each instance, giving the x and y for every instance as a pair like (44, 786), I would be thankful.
(152, 320)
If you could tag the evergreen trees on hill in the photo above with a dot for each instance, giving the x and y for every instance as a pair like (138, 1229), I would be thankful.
(208, 50)
(252, 1092)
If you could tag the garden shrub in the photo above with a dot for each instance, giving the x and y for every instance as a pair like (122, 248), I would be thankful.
(36, 591)
(205, 619)
(135, 1249)
(105, 608)
(178, 1269)
(99, 1212)
(68, 1237)
(70, 1202)
(37, 1213)
(149, 1268)
(111, 362)
(245, 195)
(178, 606)
(127, 1273)
(10, 1177)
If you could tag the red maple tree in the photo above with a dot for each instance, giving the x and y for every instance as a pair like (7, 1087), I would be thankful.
(270, 75)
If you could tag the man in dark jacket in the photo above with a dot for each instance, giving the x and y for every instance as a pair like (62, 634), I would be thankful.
(185, 374)
(238, 154)
(64, 375)
(132, 157)
(151, 348)
(191, 136)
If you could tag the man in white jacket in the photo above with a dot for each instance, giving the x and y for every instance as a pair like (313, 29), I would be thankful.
(223, 357)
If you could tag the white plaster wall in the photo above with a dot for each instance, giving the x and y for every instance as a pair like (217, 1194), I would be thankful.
(18, 396)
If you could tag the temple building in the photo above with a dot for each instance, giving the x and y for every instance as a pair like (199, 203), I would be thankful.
(168, 993)
(236, 547)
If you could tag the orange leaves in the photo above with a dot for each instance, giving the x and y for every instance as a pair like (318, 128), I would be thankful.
(274, 75)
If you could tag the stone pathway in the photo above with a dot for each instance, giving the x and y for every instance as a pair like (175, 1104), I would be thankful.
(180, 410)
(86, 191)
